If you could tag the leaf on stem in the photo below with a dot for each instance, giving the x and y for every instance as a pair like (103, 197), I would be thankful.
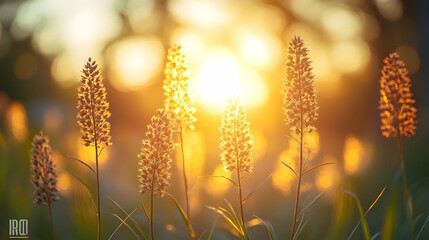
(231, 221)
(86, 187)
(256, 188)
(367, 211)
(82, 162)
(290, 168)
(317, 166)
(184, 216)
(269, 228)
(227, 178)
(310, 203)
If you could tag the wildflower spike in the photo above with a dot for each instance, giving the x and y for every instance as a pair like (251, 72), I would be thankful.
(178, 101)
(93, 108)
(44, 176)
(236, 143)
(300, 103)
(155, 154)
(396, 99)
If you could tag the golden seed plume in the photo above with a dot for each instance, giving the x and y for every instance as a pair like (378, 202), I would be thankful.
(44, 177)
(236, 143)
(93, 108)
(155, 154)
(396, 103)
(178, 101)
(300, 103)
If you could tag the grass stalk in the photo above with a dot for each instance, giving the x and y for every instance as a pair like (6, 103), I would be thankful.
(151, 212)
(404, 176)
(241, 204)
(52, 219)
(98, 191)
(185, 179)
(408, 209)
(240, 195)
(298, 190)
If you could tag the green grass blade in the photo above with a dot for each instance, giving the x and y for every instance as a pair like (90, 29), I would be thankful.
(82, 162)
(184, 216)
(144, 209)
(126, 224)
(421, 229)
(212, 229)
(310, 203)
(122, 223)
(375, 236)
(224, 177)
(269, 228)
(293, 138)
(317, 166)
(228, 219)
(230, 215)
(240, 224)
(299, 229)
(256, 188)
(132, 219)
(306, 159)
(101, 150)
(367, 211)
(365, 228)
(290, 168)
(86, 187)
(201, 236)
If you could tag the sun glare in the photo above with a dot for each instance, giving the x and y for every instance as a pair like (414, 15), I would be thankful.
(218, 79)
(134, 61)
(222, 77)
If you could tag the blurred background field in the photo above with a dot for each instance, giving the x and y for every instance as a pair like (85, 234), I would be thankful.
(233, 48)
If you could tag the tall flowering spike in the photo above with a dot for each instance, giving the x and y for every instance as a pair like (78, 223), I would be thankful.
(93, 108)
(236, 143)
(44, 177)
(396, 102)
(300, 103)
(178, 101)
(155, 154)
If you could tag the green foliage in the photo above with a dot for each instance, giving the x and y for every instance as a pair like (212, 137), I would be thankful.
(184, 216)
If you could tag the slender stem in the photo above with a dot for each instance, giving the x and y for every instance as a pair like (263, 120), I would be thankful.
(404, 176)
(185, 179)
(240, 195)
(298, 190)
(404, 179)
(93, 113)
(98, 191)
(52, 219)
(151, 214)
(241, 202)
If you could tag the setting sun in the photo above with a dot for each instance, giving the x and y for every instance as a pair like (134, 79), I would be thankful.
(221, 77)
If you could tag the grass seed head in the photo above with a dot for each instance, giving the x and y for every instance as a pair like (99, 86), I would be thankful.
(398, 114)
(178, 101)
(93, 108)
(44, 177)
(300, 103)
(236, 143)
(155, 154)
